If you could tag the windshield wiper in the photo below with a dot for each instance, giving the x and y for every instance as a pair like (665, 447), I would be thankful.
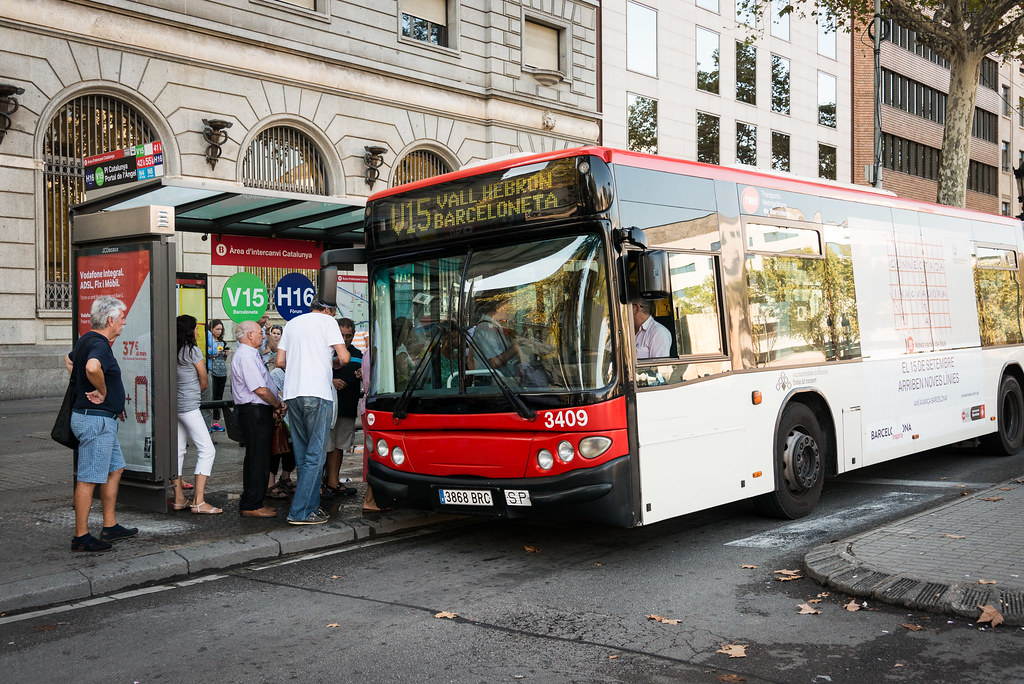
(521, 408)
(403, 401)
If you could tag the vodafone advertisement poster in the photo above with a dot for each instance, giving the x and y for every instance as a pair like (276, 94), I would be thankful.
(123, 271)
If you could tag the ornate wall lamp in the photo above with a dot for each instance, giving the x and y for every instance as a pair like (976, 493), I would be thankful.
(215, 134)
(374, 159)
(8, 105)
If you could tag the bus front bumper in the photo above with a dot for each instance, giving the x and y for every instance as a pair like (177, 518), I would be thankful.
(598, 494)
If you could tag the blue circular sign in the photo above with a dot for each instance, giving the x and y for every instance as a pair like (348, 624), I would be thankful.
(293, 295)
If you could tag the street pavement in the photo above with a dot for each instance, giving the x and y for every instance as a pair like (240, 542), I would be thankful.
(951, 559)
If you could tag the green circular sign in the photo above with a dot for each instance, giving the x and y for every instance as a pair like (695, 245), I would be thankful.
(99, 176)
(244, 297)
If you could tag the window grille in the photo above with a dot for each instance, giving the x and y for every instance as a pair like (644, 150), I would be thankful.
(417, 165)
(283, 158)
(85, 126)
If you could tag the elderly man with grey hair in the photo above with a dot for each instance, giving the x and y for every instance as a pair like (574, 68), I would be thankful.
(653, 340)
(99, 402)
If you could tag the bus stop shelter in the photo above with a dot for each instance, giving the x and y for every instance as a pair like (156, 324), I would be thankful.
(123, 243)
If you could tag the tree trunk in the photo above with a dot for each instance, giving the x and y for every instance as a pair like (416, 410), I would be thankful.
(964, 71)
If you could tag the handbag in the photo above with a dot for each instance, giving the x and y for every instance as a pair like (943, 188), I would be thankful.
(61, 431)
(280, 442)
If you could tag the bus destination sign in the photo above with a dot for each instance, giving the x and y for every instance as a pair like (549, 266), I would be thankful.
(477, 203)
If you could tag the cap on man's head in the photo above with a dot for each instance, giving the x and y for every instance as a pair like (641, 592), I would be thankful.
(323, 306)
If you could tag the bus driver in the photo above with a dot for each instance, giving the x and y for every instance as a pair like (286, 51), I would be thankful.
(653, 340)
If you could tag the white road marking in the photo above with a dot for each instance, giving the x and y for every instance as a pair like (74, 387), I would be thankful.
(803, 531)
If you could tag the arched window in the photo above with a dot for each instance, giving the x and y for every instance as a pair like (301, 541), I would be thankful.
(83, 127)
(417, 165)
(283, 158)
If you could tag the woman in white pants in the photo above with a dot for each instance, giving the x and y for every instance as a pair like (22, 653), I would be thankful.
(192, 381)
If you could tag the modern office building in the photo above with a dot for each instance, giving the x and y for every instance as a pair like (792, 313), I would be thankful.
(914, 87)
(304, 98)
(700, 79)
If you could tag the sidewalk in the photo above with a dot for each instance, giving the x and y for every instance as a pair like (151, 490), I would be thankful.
(37, 567)
(951, 559)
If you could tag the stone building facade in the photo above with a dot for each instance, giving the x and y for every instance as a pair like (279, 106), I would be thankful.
(444, 82)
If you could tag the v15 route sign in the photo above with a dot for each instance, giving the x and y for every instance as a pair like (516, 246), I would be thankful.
(244, 297)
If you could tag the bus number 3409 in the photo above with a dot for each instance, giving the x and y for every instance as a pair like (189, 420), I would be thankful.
(563, 419)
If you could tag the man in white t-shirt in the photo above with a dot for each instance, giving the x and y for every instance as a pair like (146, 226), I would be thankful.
(305, 353)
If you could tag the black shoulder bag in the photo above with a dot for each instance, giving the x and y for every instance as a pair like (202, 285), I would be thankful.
(61, 432)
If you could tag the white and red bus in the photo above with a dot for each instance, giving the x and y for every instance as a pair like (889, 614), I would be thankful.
(815, 329)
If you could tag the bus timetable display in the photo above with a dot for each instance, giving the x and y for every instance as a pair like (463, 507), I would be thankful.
(471, 205)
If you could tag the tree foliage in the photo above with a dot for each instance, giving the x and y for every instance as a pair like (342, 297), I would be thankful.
(962, 31)
(642, 122)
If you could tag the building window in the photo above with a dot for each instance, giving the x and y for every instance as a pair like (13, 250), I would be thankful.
(780, 18)
(826, 100)
(641, 39)
(284, 158)
(305, 4)
(1005, 156)
(982, 178)
(642, 115)
(83, 127)
(780, 151)
(417, 165)
(780, 84)
(746, 144)
(985, 125)
(745, 15)
(1005, 95)
(826, 34)
(907, 40)
(711, 5)
(708, 136)
(541, 46)
(707, 60)
(989, 76)
(1005, 209)
(746, 73)
(1020, 111)
(425, 20)
(826, 162)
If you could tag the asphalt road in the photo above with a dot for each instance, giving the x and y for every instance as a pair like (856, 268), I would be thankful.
(544, 602)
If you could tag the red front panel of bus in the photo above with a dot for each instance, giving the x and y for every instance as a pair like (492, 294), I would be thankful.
(497, 445)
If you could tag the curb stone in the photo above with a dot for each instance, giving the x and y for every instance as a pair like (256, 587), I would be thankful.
(116, 575)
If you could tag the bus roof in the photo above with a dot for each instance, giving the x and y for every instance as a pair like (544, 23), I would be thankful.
(747, 176)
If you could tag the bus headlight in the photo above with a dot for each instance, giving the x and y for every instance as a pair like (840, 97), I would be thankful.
(545, 460)
(592, 447)
(397, 456)
(565, 451)
(382, 448)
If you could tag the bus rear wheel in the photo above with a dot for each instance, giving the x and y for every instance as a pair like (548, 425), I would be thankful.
(1009, 438)
(799, 465)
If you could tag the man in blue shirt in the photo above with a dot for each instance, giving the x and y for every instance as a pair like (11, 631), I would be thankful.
(99, 402)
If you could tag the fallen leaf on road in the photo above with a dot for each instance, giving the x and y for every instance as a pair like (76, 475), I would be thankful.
(990, 614)
(663, 620)
(447, 614)
(335, 576)
(960, 485)
(788, 578)
(966, 492)
(1006, 489)
(748, 567)
(612, 657)
(734, 650)
(986, 581)
(334, 624)
(852, 606)
(807, 610)
(787, 572)
(814, 600)
(953, 536)
(898, 665)
(824, 594)
(992, 498)
(531, 549)
(730, 678)
(912, 628)
(46, 628)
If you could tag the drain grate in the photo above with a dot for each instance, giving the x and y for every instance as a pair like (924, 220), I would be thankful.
(931, 594)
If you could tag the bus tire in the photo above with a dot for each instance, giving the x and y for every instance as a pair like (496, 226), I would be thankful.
(1008, 439)
(799, 465)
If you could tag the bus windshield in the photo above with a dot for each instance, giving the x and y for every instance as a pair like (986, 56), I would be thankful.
(534, 314)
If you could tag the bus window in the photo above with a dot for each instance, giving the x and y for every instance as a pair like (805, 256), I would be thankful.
(695, 301)
(997, 288)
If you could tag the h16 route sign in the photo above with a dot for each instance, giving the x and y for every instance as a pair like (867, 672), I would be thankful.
(293, 295)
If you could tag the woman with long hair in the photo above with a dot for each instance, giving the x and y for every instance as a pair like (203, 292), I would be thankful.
(217, 364)
(192, 381)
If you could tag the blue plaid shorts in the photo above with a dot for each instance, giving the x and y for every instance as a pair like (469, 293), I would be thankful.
(99, 453)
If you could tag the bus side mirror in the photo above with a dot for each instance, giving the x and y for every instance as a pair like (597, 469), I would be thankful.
(327, 278)
(652, 274)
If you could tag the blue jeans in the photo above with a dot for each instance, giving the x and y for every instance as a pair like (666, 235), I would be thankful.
(310, 421)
